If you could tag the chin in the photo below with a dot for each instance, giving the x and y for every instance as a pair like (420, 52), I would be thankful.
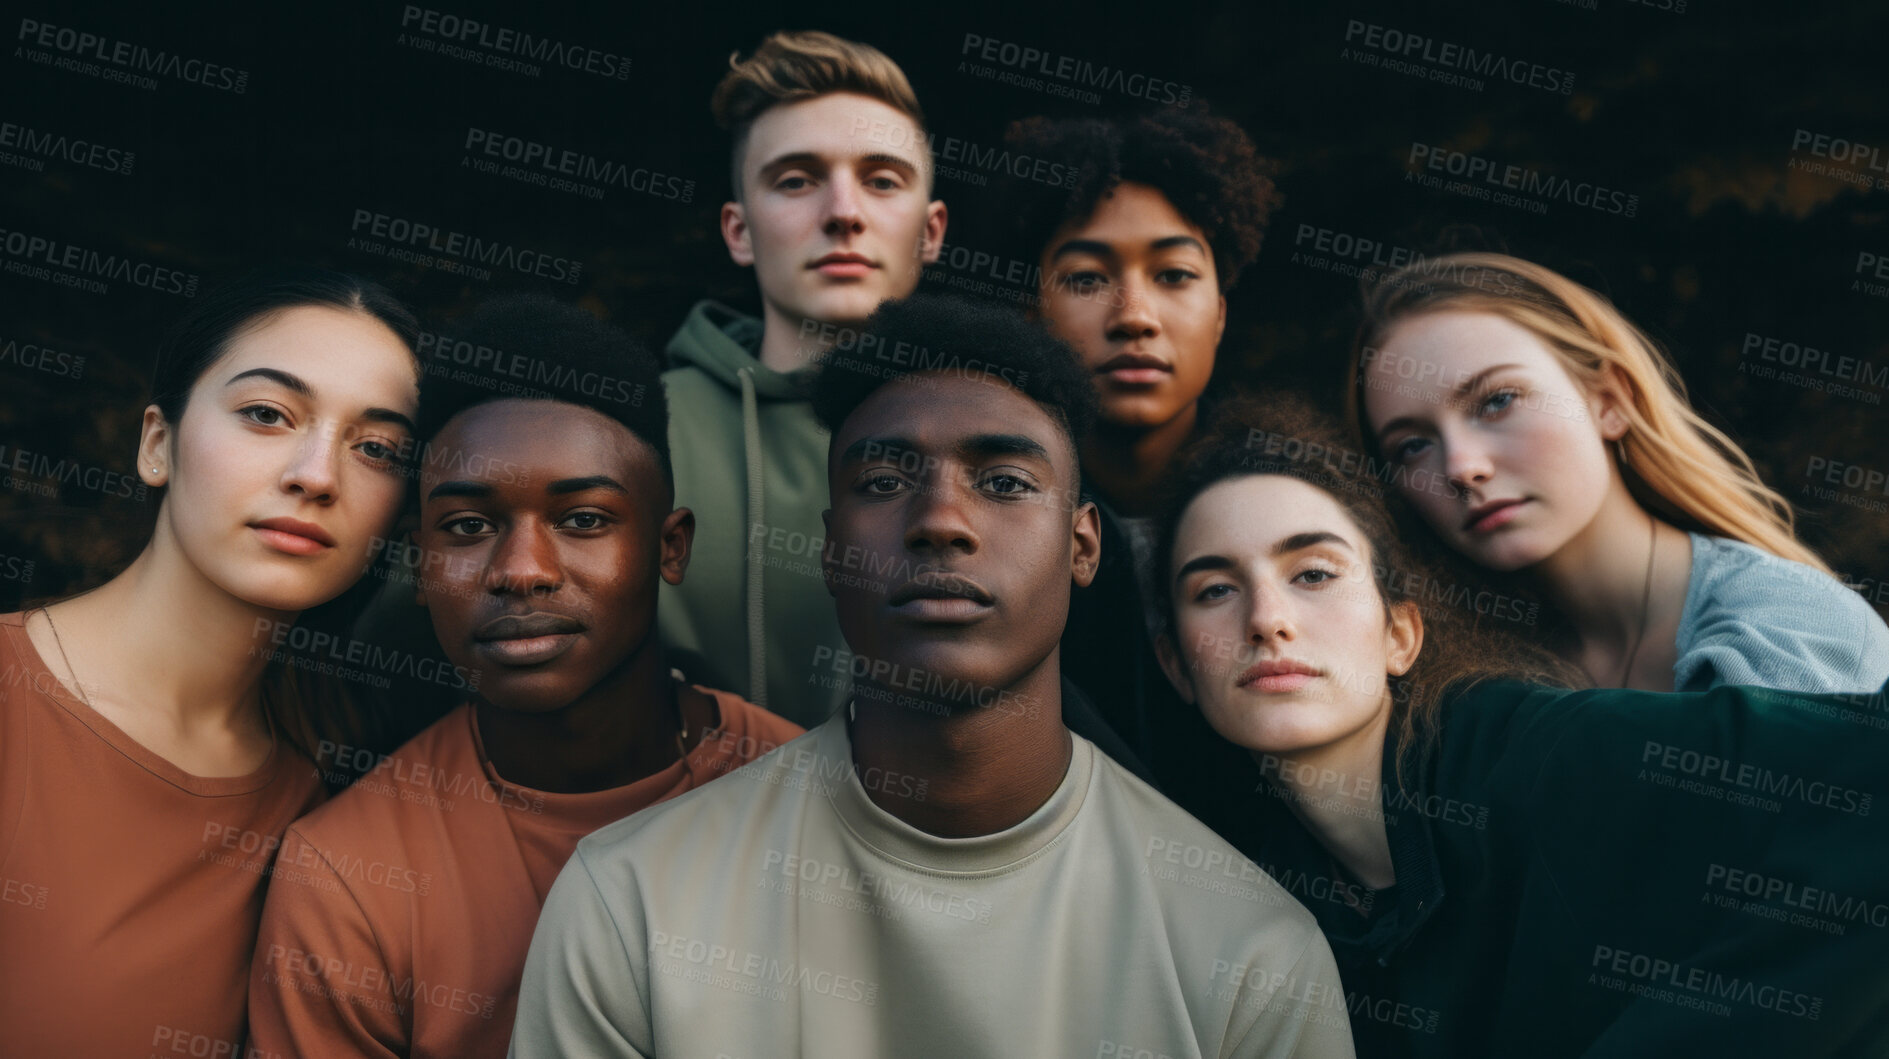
(515, 696)
(291, 593)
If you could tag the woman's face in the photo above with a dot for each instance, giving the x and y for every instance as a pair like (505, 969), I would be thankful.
(1494, 444)
(1132, 289)
(1280, 635)
(283, 473)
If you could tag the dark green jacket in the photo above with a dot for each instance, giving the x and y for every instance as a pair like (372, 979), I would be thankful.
(1618, 873)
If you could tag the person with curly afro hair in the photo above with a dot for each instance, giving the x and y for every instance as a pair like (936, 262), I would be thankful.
(1132, 254)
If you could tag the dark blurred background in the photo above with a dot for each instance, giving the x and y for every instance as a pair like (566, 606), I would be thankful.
(1737, 129)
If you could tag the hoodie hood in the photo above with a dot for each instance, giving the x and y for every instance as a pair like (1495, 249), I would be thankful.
(722, 342)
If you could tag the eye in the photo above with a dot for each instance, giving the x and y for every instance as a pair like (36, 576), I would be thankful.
(1408, 448)
(1083, 280)
(1176, 276)
(263, 415)
(1211, 592)
(884, 183)
(378, 451)
(1498, 402)
(585, 520)
(1007, 485)
(469, 526)
(1315, 575)
(881, 484)
(791, 183)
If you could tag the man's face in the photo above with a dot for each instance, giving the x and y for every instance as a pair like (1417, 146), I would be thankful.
(954, 537)
(835, 210)
(545, 527)
(1132, 289)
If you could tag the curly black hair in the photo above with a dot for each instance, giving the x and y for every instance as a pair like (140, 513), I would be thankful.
(928, 333)
(1204, 164)
(536, 347)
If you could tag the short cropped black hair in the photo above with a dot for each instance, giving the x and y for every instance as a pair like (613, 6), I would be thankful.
(536, 347)
(1205, 165)
(928, 333)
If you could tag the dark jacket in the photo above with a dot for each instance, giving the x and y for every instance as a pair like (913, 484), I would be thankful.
(1608, 872)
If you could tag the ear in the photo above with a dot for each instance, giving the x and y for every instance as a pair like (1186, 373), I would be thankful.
(1085, 546)
(154, 440)
(678, 536)
(1608, 401)
(827, 563)
(1403, 638)
(931, 242)
(734, 232)
(1170, 658)
(1220, 323)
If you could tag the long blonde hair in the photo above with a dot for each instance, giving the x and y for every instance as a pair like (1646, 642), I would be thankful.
(1671, 459)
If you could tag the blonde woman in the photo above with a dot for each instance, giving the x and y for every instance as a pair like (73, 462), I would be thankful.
(1536, 431)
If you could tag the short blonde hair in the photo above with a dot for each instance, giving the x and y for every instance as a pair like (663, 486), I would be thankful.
(791, 66)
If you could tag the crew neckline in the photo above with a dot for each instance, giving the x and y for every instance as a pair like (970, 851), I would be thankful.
(49, 686)
(899, 841)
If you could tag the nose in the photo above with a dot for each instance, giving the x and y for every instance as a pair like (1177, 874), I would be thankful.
(938, 518)
(524, 561)
(1131, 315)
(1270, 616)
(1466, 461)
(845, 213)
(313, 472)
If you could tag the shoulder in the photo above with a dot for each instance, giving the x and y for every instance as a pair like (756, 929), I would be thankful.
(758, 730)
(1755, 618)
(371, 809)
(698, 818)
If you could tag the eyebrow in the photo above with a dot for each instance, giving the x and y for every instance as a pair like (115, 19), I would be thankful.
(1099, 248)
(975, 446)
(813, 160)
(578, 485)
(1285, 546)
(296, 384)
(460, 488)
(1462, 387)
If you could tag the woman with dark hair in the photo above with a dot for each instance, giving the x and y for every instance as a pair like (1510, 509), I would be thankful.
(1507, 868)
(150, 756)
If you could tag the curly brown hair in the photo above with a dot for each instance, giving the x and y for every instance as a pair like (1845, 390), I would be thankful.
(1204, 164)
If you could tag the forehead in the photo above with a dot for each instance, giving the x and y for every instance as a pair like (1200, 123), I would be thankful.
(835, 126)
(1456, 344)
(516, 441)
(1131, 215)
(1242, 518)
(938, 411)
(348, 358)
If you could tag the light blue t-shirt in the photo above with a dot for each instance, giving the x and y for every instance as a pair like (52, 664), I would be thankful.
(1754, 618)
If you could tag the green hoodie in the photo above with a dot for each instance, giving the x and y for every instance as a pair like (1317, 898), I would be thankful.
(752, 615)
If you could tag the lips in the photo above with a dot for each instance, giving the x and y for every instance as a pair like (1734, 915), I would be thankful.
(941, 598)
(293, 536)
(1135, 369)
(527, 639)
(1278, 675)
(1492, 515)
(843, 264)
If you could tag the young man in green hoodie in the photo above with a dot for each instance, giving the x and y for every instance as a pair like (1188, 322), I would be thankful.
(833, 210)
